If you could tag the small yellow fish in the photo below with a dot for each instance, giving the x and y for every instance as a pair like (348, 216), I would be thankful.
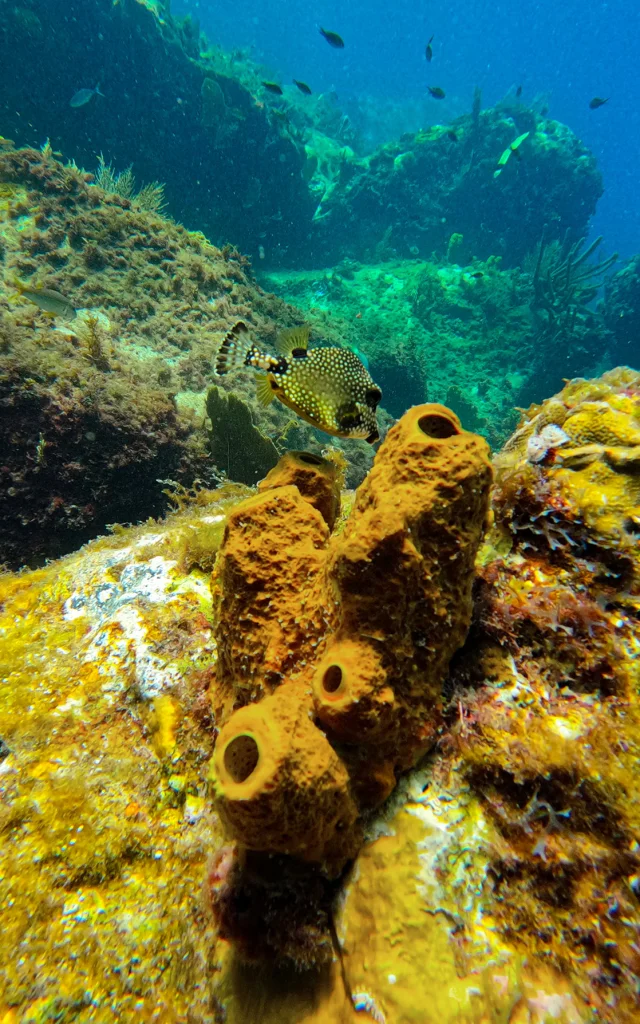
(328, 387)
(48, 300)
(511, 150)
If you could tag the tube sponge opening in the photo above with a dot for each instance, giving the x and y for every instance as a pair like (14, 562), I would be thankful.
(241, 757)
(332, 679)
(351, 695)
(439, 425)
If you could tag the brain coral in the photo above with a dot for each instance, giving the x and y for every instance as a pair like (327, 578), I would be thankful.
(590, 480)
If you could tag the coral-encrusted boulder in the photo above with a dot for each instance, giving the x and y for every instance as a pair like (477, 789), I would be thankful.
(549, 714)
(98, 412)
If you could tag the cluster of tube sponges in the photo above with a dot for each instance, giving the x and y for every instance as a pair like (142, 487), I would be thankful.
(334, 640)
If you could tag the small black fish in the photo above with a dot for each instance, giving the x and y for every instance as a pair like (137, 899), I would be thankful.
(519, 91)
(429, 50)
(477, 274)
(333, 39)
(597, 101)
(452, 135)
(302, 86)
(436, 92)
(273, 87)
(544, 111)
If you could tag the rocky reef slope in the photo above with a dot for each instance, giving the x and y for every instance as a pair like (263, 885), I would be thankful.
(410, 196)
(191, 123)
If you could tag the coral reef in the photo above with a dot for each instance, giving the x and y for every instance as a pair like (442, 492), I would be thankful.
(289, 753)
(94, 411)
(283, 177)
(472, 337)
(411, 195)
(368, 619)
(500, 879)
(548, 688)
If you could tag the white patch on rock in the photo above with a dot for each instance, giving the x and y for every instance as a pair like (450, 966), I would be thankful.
(564, 727)
(148, 539)
(69, 705)
(151, 675)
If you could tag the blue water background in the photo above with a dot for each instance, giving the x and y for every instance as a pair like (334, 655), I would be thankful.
(571, 50)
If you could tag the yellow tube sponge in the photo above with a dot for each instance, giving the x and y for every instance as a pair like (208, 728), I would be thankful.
(316, 478)
(352, 697)
(279, 784)
(401, 573)
(271, 559)
(351, 635)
